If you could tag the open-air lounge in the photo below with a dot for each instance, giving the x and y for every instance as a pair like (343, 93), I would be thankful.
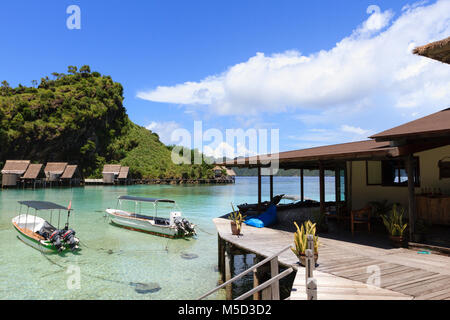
(407, 165)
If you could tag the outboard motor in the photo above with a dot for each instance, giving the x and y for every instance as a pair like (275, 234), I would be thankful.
(55, 239)
(180, 226)
(68, 236)
(188, 226)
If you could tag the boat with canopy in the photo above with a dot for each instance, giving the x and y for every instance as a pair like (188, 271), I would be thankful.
(40, 233)
(173, 226)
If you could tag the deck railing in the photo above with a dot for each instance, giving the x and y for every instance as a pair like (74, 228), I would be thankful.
(273, 282)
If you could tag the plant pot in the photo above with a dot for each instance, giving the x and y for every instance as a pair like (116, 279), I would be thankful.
(234, 229)
(302, 258)
(396, 241)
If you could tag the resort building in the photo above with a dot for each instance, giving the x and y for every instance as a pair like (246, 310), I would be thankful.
(34, 175)
(71, 176)
(124, 175)
(54, 170)
(111, 173)
(12, 171)
(408, 164)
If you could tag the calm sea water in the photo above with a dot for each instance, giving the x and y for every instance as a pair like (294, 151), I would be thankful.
(112, 259)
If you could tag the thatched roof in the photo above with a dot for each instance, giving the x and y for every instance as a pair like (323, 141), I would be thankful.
(69, 172)
(438, 50)
(33, 171)
(230, 172)
(55, 167)
(16, 166)
(111, 168)
(123, 174)
(218, 168)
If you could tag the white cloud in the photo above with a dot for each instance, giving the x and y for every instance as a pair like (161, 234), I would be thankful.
(355, 130)
(226, 150)
(164, 130)
(372, 64)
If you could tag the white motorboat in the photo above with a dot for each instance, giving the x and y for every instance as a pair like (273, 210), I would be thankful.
(173, 226)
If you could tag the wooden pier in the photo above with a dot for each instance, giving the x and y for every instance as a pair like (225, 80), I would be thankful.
(347, 270)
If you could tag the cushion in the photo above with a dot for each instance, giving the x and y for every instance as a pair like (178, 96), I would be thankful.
(265, 219)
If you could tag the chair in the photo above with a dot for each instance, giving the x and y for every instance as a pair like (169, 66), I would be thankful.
(361, 216)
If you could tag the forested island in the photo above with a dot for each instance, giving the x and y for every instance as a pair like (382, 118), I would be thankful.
(80, 118)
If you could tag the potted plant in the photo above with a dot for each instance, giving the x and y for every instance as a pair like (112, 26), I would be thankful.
(395, 226)
(301, 241)
(236, 221)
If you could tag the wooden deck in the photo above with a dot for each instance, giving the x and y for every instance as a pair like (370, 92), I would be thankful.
(344, 267)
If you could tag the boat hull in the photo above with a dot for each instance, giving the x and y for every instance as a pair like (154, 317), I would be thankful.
(122, 219)
(41, 245)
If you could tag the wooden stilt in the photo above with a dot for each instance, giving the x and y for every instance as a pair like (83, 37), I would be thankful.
(228, 288)
(322, 188)
(302, 186)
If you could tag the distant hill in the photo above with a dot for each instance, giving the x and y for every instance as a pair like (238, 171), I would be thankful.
(245, 172)
(80, 118)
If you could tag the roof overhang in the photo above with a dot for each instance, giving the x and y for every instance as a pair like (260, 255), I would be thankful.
(438, 50)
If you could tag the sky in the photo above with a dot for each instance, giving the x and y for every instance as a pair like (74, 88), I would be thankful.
(319, 72)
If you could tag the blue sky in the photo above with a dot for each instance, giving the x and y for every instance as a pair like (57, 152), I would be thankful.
(321, 72)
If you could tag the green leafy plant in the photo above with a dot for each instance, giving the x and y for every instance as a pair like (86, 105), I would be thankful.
(301, 238)
(394, 221)
(236, 217)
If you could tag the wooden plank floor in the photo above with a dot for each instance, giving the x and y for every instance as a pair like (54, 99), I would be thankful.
(344, 267)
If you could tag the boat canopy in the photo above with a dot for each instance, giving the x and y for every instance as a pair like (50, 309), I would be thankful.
(142, 199)
(43, 205)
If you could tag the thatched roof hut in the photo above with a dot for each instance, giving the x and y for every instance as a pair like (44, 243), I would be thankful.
(230, 172)
(12, 170)
(124, 171)
(438, 50)
(54, 170)
(34, 171)
(15, 167)
(70, 172)
(112, 168)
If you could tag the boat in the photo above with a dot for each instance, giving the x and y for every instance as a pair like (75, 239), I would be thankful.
(40, 233)
(172, 227)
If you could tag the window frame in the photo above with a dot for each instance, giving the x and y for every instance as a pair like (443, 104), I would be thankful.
(401, 164)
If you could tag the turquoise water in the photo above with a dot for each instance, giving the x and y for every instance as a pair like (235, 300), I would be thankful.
(113, 259)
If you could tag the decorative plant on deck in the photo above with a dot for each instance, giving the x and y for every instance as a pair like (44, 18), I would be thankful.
(394, 223)
(301, 240)
(236, 221)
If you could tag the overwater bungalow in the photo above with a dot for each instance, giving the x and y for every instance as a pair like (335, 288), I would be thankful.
(110, 173)
(34, 175)
(124, 175)
(71, 176)
(12, 171)
(54, 170)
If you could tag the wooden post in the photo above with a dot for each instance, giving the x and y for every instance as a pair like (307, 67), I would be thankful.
(228, 288)
(350, 187)
(276, 285)
(302, 186)
(271, 187)
(311, 283)
(322, 188)
(337, 182)
(411, 195)
(259, 189)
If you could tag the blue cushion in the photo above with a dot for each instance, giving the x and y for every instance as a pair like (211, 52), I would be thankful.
(265, 219)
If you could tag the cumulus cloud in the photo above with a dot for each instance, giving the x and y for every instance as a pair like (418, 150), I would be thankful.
(374, 63)
(164, 130)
